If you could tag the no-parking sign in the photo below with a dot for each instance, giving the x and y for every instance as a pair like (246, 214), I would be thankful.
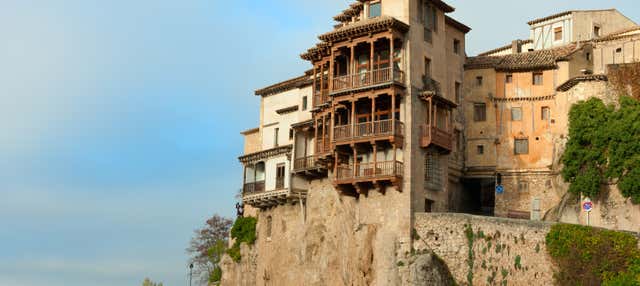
(587, 205)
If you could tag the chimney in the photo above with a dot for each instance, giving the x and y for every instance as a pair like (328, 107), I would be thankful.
(516, 47)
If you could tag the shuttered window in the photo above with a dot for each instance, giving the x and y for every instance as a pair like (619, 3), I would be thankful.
(479, 112)
(521, 146)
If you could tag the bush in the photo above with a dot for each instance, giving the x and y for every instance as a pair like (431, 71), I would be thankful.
(243, 230)
(588, 256)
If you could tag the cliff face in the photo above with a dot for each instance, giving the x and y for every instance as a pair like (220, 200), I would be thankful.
(332, 240)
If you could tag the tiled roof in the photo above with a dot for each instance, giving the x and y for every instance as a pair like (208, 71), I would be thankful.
(504, 47)
(321, 49)
(462, 27)
(626, 33)
(576, 80)
(353, 10)
(364, 27)
(536, 60)
(297, 82)
(536, 21)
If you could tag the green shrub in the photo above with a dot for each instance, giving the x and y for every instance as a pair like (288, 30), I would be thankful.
(243, 230)
(589, 256)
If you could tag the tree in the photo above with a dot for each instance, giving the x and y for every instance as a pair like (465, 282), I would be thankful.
(207, 247)
(148, 282)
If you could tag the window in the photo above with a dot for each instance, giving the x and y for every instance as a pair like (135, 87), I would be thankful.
(557, 34)
(275, 136)
(480, 149)
(280, 173)
(508, 78)
(479, 81)
(427, 67)
(479, 112)
(521, 146)
(290, 134)
(588, 56)
(523, 186)
(458, 91)
(619, 50)
(596, 31)
(546, 113)
(375, 10)
(304, 103)
(430, 22)
(537, 78)
(432, 172)
(456, 46)
(516, 114)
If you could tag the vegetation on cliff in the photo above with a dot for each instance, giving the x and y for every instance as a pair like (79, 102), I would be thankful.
(603, 146)
(590, 256)
(243, 230)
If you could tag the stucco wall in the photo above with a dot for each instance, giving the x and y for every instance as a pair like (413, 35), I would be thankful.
(495, 246)
(606, 53)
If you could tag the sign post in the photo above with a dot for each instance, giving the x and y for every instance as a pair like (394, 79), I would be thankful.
(587, 206)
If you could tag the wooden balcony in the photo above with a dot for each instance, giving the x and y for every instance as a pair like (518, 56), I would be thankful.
(375, 130)
(254, 194)
(367, 79)
(434, 136)
(367, 172)
(310, 167)
(323, 146)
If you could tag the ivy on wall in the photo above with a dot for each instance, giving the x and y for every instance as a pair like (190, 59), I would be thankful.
(604, 145)
(243, 230)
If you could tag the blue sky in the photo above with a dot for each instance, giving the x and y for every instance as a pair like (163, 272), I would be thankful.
(120, 121)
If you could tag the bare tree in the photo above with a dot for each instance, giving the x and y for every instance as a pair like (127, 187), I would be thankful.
(208, 245)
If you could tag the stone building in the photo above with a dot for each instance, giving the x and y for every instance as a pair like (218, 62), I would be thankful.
(394, 119)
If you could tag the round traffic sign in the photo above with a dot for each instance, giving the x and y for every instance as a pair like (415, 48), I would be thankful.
(499, 189)
(587, 206)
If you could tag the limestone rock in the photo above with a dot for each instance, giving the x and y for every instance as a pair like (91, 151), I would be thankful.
(428, 269)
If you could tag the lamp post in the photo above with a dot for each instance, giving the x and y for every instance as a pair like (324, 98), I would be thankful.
(190, 272)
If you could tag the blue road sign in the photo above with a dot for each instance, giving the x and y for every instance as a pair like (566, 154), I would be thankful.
(499, 189)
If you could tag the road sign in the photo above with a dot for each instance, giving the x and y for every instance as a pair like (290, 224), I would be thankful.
(499, 189)
(587, 205)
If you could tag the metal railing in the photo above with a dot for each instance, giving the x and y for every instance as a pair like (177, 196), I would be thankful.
(253, 188)
(367, 78)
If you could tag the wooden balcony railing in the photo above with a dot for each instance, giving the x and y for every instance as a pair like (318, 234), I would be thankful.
(323, 146)
(279, 183)
(367, 78)
(380, 128)
(253, 188)
(304, 163)
(321, 97)
(433, 135)
(367, 171)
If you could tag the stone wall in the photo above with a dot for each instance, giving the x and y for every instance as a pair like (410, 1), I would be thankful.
(502, 250)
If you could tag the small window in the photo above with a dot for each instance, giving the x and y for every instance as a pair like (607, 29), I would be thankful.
(375, 10)
(521, 146)
(280, 174)
(546, 113)
(479, 81)
(456, 46)
(275, 136)
(588, 56)
(458, 91)
(508, 78)
(557, 32)
(516, 114)
(479, 112)
(428, 205)
(523, 186)
(619, 50)
(427, 67)
(290, 134)
(304, 103)
(537, 78)
(480, 149)
(596, 31)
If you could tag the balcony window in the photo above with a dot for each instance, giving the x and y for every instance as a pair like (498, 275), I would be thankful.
(375, 10)
(427, 67)
(280, 174)
(521, 146)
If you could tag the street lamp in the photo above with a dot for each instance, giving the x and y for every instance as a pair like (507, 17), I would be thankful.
(190, 272)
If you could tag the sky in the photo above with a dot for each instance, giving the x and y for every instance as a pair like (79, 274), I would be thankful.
(120, 121)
